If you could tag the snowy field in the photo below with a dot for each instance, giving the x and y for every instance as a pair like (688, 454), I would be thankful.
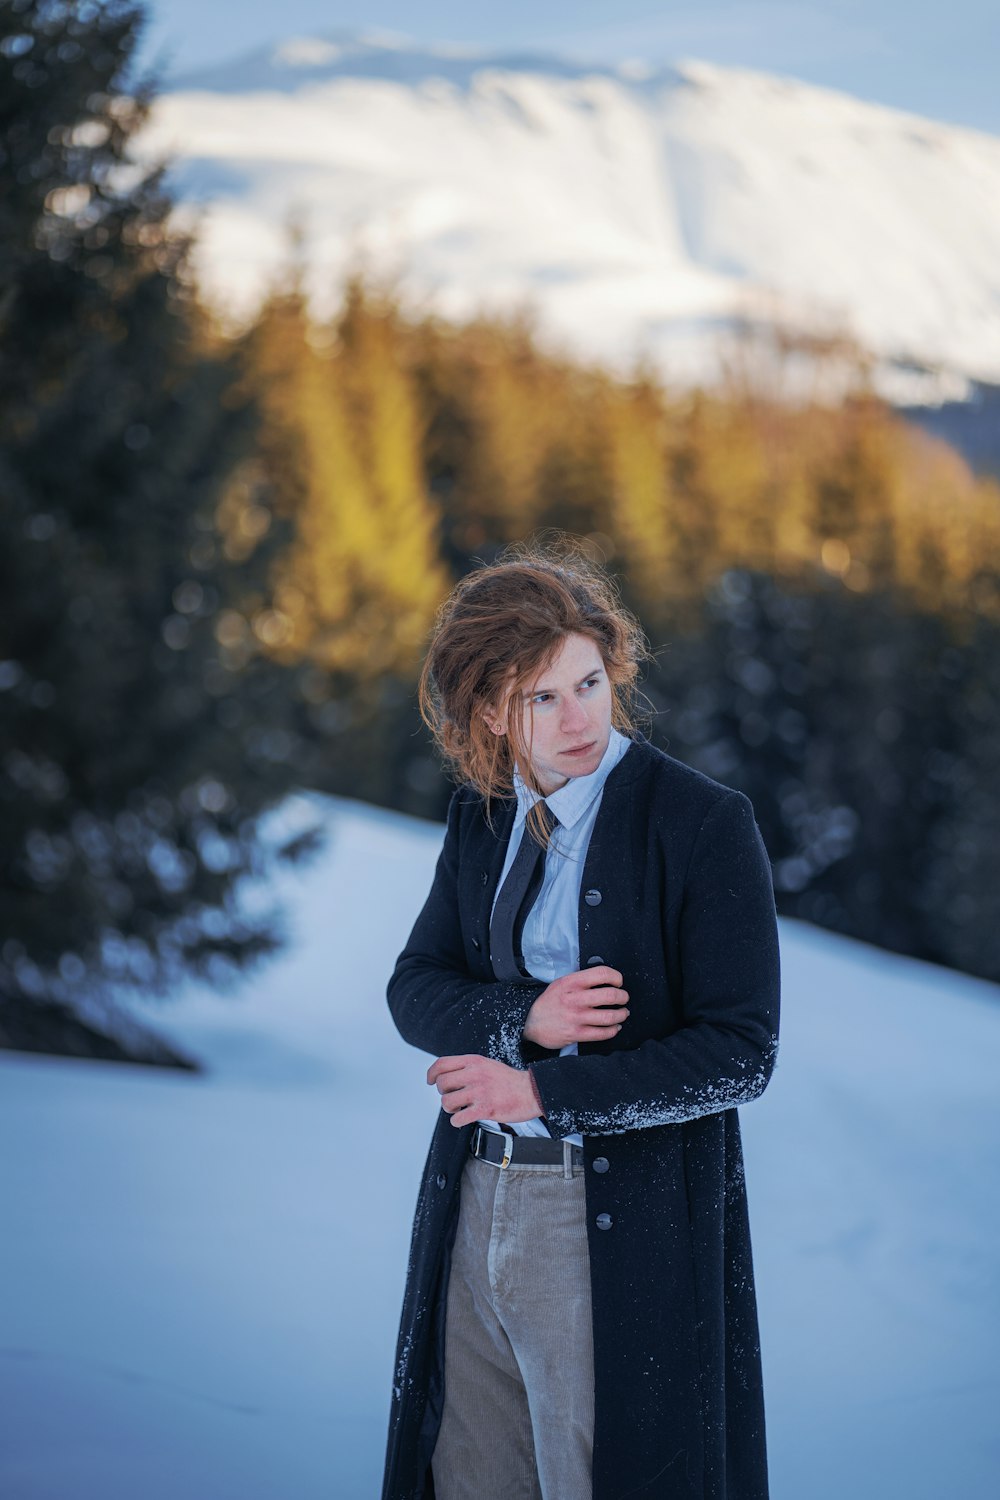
(200, 1277)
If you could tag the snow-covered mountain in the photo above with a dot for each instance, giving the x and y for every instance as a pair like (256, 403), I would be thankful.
(201, 1275)
(640, 210)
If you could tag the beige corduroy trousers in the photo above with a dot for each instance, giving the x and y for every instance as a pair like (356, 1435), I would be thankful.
(518, 1416)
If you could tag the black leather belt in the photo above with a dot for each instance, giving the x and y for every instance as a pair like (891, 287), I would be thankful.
(503, 1149)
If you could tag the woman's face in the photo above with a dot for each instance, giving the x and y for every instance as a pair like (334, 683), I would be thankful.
(567, 714)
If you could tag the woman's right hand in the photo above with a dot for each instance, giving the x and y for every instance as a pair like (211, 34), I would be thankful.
(586, 1006)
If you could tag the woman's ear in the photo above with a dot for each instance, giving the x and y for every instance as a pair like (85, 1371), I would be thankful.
(497, 717)
(494, 722)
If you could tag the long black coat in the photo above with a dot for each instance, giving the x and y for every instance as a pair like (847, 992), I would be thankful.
(677, 895)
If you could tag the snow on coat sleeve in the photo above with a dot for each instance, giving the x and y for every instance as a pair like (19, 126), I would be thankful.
(724, 1052)
(436, 1003)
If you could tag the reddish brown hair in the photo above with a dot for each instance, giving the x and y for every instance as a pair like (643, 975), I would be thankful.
(500, 627)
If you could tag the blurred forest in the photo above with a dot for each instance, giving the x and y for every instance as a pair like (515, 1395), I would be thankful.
(221, 558)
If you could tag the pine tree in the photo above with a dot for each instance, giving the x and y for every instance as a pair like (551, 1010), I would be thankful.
(142, 727)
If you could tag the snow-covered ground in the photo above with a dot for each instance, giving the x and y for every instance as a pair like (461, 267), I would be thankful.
(638, 209)
(200, 1277)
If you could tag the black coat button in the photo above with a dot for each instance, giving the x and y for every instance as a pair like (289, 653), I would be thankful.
(600, 1164)
(442, 1180)
(593, 898)
(604, 1221)
(594, 960)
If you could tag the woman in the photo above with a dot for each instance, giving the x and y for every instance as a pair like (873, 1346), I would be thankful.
(596, 974)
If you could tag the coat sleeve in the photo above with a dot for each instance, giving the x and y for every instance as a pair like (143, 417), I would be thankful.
(436, 1003)
(724, 1052)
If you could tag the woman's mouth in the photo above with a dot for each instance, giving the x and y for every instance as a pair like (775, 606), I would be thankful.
(581, 749)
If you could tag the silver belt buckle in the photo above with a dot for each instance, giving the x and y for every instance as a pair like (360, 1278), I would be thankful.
(508, 1148)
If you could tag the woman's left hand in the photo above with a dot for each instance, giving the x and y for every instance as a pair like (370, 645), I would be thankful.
(480, 1088)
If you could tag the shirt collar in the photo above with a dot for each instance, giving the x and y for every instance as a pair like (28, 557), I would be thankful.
(571, 801)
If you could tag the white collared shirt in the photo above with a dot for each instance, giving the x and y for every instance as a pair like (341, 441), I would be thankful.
(551, 937)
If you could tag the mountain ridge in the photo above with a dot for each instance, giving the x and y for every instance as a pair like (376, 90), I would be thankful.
(305, 52)
(645, 211)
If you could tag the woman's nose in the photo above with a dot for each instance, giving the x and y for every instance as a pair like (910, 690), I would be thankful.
(574, 716)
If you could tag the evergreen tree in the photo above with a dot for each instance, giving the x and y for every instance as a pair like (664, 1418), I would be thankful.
(960, 873)
(143, 729)
(865, 731)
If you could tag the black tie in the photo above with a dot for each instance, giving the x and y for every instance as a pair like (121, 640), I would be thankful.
(524, 881)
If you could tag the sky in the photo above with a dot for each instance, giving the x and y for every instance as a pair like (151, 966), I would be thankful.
(935, 60)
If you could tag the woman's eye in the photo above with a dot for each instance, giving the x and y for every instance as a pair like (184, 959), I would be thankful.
(546, 697)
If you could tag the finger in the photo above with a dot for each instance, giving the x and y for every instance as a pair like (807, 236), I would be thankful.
(457, 1099)
(451, 1083)
(599, 1033)
(603, 974)
(466, 1116)
(606, 1015)
(606, 997)
(446, 1065)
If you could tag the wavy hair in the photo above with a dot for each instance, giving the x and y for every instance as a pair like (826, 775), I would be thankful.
(502, 625)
